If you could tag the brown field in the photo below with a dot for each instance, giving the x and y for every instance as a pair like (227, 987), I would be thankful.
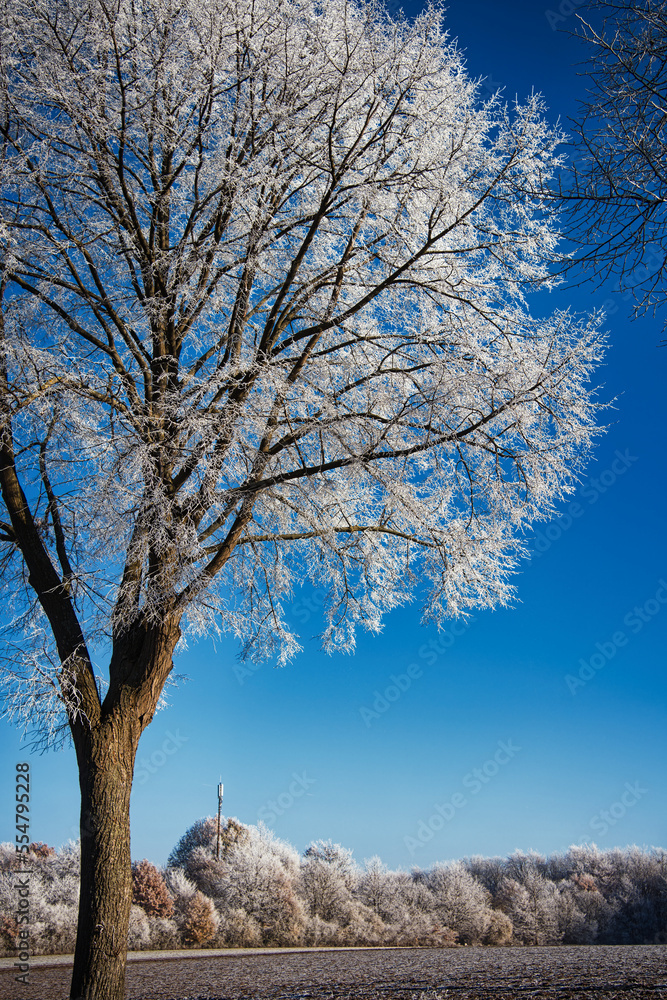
(576, 973)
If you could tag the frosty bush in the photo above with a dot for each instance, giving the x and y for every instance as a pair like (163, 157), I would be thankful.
(240, 930)
(9, 930)
(164, 933)
(139, 934)
(200, 920)
(321, 933)
(499, 930)
(149, 890)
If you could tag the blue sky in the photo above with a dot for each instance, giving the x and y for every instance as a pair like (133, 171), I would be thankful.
(531, 728)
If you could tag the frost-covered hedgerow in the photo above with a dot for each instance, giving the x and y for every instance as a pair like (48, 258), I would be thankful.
(261, 892)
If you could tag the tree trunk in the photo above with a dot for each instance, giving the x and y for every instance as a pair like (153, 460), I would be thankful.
(106, 764)
(106, 751)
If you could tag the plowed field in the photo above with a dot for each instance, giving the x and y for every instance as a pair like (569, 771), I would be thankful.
(565, 973)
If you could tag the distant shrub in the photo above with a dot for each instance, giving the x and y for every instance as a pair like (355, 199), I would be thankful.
(200, 920)
(239, 930)
(53, 925)
(9, 930)
(149, 890)
(139, 933)
(320, 932)
(164, 933)
(40, 850)
(500, 929)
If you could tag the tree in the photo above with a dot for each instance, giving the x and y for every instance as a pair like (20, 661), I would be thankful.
(460, 901)
(201, 920)
(617, 188)
(375, 889)
(202, 833)
(256, 874)
(328, 878)
(263, 320)
(149, 890)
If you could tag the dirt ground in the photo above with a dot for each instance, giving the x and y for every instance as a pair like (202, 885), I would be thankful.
(563, 973)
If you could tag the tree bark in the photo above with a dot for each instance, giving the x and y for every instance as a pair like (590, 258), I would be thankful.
(106, 764)
(106, 754)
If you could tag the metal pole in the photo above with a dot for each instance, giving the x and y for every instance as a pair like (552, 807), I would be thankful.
(217, 848)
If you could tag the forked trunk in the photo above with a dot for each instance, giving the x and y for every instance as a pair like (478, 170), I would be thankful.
(106, 764)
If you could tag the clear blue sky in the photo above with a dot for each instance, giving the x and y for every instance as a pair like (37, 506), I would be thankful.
(488, 727)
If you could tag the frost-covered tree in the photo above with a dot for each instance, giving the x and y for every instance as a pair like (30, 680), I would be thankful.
(54, 895)
(460, 901)
(259, 875)
(514, 901)
(263, 277)
(580, 910)
(616, 187)
(375, 887)
(202, 833)
(488, 871)
(328, 877)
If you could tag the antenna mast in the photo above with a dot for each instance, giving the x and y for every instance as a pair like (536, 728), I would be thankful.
(217, 847)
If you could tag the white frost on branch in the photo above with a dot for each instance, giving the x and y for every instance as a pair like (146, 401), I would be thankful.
(264, 294)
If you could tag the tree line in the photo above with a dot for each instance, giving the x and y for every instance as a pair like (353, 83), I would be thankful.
(260, 891)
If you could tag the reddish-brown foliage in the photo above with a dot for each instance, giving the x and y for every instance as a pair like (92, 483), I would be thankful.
(149, 890)
(200, 923)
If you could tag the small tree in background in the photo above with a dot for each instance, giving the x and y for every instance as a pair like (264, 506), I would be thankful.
(149, 890)
(460, 901)
(9, 932)
(328, 875)
(375, 887)
(499, 930)
(41, 850)
(202, 833)
(200, 920)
